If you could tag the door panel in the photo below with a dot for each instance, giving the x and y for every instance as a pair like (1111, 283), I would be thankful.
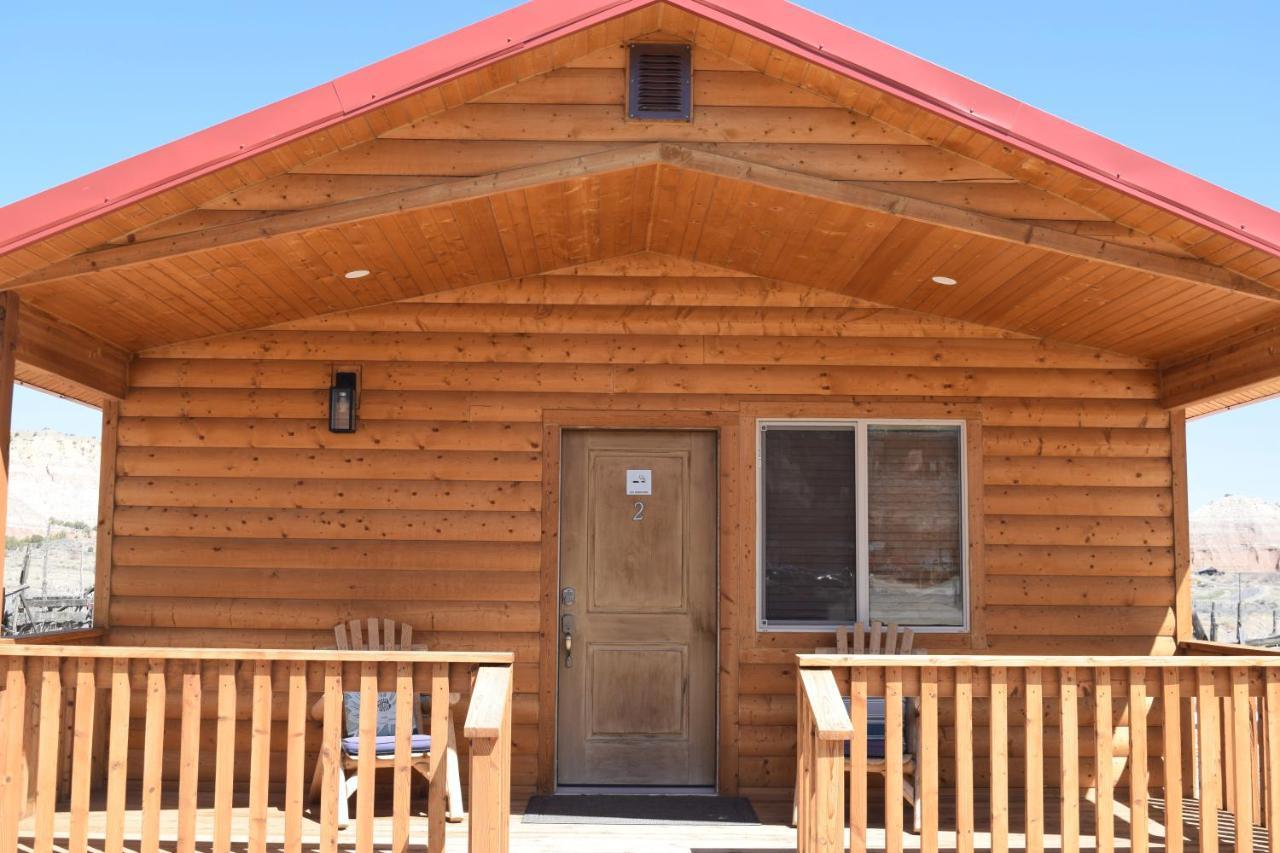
(637, 693)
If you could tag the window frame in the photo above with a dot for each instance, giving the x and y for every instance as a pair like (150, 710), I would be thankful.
(858, 427)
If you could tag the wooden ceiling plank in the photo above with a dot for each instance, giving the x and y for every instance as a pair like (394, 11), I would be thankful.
(917, 277)
(1189, 337)
(193, 288)
(1048, 306)
(1040, 278)
(221, 275)
(515, 231)
(1160, 316)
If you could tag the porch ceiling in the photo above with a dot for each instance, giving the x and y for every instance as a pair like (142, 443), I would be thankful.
(846, 237)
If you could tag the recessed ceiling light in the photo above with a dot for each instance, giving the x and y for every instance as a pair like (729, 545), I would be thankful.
(357, 274)
(945, 281)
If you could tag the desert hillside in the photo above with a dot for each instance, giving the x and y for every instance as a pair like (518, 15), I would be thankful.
(52, 475)
(1236, 534)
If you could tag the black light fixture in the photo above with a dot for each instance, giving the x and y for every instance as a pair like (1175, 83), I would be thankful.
(342, 403)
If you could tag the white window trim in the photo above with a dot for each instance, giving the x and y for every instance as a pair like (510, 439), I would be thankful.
(859, 428)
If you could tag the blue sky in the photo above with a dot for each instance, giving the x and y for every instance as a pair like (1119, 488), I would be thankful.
(87, 84)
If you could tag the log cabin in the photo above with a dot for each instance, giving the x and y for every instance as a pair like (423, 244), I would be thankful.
(624, 351)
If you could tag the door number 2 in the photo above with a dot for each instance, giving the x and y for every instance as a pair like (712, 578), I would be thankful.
(639, 516)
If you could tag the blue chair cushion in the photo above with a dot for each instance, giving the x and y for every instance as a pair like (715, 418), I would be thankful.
(385, 745)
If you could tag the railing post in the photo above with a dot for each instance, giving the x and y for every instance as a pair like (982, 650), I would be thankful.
(825, 728)
(488, 727)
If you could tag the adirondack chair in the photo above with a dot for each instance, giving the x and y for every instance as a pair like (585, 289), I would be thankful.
(386, 635)
(879, 641)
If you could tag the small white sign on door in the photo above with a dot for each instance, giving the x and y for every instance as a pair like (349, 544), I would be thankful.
(639, 481)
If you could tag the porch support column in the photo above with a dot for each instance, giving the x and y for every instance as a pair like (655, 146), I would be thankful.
(8, 348)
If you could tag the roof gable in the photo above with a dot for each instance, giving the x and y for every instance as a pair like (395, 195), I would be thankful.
(251, 224)
(842, 53)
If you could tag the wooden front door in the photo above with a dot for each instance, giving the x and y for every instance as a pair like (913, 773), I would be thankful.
(637, 596)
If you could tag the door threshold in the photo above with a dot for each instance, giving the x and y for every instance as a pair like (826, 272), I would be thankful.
(633, 790)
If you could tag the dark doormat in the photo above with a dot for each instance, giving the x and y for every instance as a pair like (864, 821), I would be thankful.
(640, 808)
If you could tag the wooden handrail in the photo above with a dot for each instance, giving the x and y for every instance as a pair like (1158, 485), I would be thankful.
(1253, 658)
(488, 728)
(830, 718)
(250, 655)
(489, 702)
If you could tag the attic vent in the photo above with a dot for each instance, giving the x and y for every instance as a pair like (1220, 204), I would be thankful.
(658, 86)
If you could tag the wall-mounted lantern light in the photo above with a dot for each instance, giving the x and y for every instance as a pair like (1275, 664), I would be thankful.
(342, 403)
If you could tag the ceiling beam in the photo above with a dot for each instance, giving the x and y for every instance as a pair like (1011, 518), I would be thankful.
(1242, 364)
(1008, 230)
(849, 193)
(342, 213)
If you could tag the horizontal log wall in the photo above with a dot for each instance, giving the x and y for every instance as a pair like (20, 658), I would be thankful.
(241, 520)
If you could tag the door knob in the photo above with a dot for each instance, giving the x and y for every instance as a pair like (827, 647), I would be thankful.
(566, 631)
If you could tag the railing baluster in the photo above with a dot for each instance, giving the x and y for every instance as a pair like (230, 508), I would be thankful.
(331, 798)
(1139, 831)
(46, 792)
(964, 760)
(189, 756)
(438, 765)
(153, 756)
(1069, 758)
(1243, 764)
(225, 758)
(295, 756)
(1034, 739)
(82, 754)
(999, 727)
(805, 837)
(259, 756)
(1103, 771)
(1210, 783)
(1228, 753)
(927, 778)
(365, 759)
(1271, 742)
(893, 751)
(1171, 697)
(14, 728)
(118, 753)
(405, 717)
(858, 758)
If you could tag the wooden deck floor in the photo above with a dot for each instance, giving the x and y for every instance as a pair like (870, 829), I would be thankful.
(772, 835)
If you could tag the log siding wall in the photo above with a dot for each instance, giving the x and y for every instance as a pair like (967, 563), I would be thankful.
(240, 520)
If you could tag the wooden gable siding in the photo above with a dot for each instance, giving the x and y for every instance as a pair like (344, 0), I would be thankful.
(240, 519)
(759, 109)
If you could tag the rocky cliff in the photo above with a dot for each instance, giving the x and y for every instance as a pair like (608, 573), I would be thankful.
(51, 475)
(1236, 534)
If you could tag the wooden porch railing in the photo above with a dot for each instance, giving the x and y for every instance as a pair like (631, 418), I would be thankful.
(140, 719)
(1104, 729)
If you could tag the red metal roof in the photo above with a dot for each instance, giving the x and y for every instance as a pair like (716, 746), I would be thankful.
(776, 22)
